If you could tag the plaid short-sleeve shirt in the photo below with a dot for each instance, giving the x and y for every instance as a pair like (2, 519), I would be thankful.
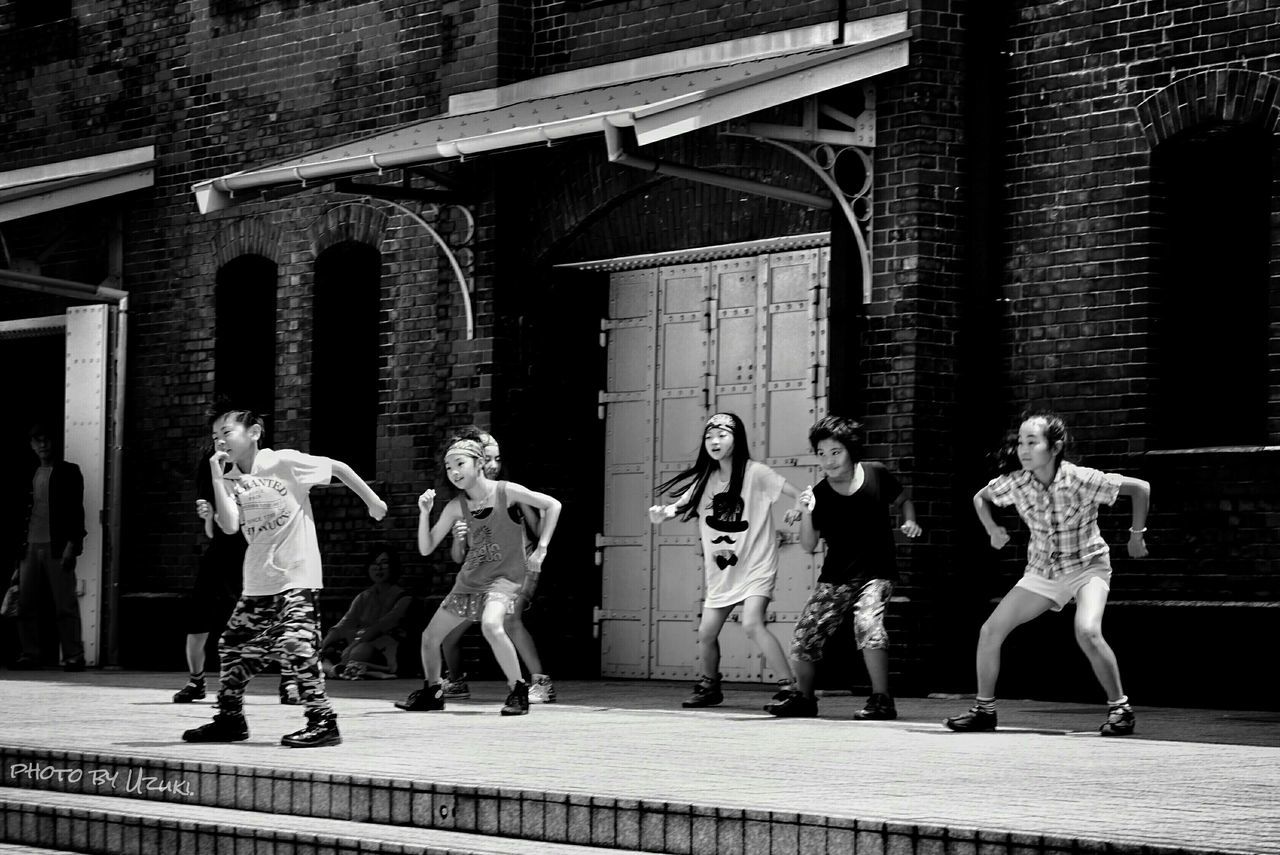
(1062, 517)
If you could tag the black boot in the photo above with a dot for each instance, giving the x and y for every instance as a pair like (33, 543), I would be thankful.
(321, 730)
(706, 693)
(518, 699)
(225, 727)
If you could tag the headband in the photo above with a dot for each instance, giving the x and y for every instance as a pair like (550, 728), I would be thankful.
(719, 420)
(469, 447)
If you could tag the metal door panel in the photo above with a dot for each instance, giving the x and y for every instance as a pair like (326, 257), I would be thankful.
(626, 583)
(84, 444)
(675, 649)
(680, 420)
(790, 343)
(684, 354)
(624, 648)
(629, 373)
(791, 276)
(684, 289)
(626, 506)
(631, 294)
(789, 433)
(736, 349)
(679, 590)
(626, 432)
(736, 283)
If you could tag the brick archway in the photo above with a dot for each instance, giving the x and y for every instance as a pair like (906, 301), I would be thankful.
(246, 236)
(349, 221)
(1222, 95)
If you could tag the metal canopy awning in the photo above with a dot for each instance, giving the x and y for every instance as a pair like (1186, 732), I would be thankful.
(39, 189)
(654, 108)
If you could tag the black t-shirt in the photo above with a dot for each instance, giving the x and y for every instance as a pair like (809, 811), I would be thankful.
(232, 545)
(857, 528)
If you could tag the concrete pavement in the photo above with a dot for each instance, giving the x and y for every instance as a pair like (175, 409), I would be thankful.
(1197, 780)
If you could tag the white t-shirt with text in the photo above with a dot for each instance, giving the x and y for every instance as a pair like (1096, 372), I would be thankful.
(276, 520)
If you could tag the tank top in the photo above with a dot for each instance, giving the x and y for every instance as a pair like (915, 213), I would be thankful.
(495, 546)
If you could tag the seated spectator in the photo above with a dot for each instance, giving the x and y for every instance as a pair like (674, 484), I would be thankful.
(363, 644)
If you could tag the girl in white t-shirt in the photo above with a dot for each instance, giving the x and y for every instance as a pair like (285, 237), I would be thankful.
(732, 497)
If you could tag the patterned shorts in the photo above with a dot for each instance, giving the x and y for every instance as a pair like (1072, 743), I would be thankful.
(826, 610)
(469, 606)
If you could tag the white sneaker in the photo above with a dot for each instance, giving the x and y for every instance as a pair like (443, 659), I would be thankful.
(541, 690)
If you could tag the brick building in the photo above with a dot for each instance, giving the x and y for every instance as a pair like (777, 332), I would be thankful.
(414, 216)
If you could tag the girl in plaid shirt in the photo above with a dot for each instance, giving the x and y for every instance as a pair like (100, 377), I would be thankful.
(1066, 559)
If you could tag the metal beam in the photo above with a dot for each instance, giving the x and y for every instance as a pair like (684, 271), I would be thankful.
(621, 143)
(396, 192)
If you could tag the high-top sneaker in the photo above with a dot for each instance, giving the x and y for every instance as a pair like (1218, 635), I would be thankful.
(706, 693)
(457, 690)
(517, 700)
(1120, 721)
(426, 699)
(542, 690)
(321, 730)
(795, 705)
(879, 707)
(225, 727)
(976, 719)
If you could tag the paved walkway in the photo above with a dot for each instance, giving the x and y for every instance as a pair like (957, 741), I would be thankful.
(1199, 779)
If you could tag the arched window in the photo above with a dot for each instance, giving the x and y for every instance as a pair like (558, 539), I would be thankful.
(1212, 325)
(245, 334)
(344, 373)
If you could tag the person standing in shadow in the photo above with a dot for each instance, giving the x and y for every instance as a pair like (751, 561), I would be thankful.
(54, 539)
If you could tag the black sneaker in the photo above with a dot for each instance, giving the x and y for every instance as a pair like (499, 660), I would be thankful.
(424, 700)
(976, 719)
(321, 730)
(290, 693)
(518, 700)
(225, 727)
(795, 705)
(785, 690)
(193, 691)
(1120, 721)
(879, 707)
(706, 693)
(72, 666)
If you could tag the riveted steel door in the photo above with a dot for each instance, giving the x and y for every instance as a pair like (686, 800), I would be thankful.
(746, 335)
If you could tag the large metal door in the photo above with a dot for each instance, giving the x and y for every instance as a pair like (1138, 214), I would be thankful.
(745, 335)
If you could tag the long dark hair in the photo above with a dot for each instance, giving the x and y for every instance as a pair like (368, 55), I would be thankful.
(699, 473)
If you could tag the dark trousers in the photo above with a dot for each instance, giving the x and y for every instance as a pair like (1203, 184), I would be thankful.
(61, 576)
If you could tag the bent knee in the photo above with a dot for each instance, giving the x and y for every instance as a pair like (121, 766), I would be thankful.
(1089, 636)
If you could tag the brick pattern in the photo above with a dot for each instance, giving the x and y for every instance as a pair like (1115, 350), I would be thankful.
(1093, 87)
(307, 807)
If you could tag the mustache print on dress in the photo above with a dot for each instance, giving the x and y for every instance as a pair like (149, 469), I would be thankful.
(724, 538)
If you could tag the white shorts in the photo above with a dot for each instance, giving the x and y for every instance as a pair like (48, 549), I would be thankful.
(1064, 588)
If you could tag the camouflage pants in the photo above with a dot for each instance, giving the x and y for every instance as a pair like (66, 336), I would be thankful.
(826, 610)
(280, 628)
